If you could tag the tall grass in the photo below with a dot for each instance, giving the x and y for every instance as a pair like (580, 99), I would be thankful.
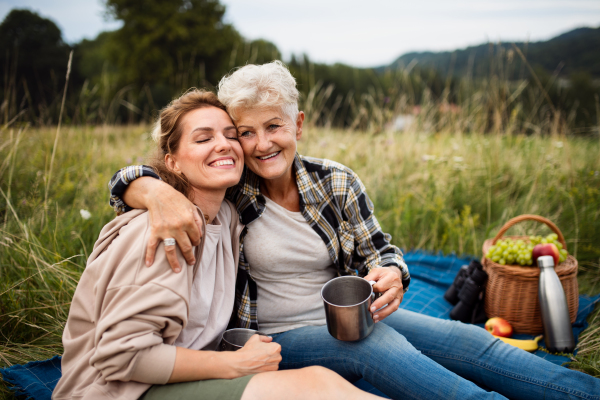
(340, 96)
(444, 191)
(43, 246)
(450, 191)
(496, 103)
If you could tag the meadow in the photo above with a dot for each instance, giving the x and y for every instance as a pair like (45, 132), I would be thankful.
(438, 190)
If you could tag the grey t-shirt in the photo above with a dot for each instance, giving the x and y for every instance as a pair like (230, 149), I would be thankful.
(290, 264)
(213, 289)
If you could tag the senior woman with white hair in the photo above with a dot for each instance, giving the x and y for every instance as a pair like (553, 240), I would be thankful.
(309, 220)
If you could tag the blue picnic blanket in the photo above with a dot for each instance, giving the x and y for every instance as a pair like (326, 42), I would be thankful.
(431, 275)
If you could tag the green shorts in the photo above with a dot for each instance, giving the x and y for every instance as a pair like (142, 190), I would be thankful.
(212, 389)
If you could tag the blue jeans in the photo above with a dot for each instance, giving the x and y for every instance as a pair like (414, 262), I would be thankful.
(413, 356)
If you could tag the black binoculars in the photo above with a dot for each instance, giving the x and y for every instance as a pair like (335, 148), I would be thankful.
(467, 293)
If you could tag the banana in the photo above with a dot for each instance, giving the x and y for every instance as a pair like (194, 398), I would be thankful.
(527, 345)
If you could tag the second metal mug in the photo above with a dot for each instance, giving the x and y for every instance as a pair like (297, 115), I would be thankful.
(235, 339)
(347, 301)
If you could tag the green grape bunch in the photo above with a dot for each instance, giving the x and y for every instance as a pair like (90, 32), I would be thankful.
(511, 252)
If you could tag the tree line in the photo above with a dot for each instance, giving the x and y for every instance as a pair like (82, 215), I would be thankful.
(166, 46)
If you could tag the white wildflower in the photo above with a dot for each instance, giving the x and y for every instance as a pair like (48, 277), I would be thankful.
(558, 145)
(458, 159)
(85, 214)
(428, 157)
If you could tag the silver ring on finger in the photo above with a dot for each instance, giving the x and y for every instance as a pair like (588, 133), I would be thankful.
(169, 242)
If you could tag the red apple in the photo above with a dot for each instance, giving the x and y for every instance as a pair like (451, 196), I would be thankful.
(545, 249)
(499, 327)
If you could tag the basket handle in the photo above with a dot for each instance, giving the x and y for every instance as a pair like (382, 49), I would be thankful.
(532, 217)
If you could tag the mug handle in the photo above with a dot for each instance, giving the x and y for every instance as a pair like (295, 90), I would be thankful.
(374, 295)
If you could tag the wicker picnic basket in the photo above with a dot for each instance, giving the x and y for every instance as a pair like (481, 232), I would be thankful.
(512, 290)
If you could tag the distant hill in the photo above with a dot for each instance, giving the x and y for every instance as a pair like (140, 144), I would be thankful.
(572, 52)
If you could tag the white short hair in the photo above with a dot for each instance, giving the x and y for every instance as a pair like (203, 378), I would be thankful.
(260, 86)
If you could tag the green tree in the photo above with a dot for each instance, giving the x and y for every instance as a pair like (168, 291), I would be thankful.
(90, 57)
(258, 51)
(179, 43)
(33, 60)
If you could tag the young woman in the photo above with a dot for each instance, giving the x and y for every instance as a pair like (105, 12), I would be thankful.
(144, 332)
(308, 220)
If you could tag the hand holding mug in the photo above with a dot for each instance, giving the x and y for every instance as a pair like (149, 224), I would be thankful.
(259, 354)
(389, 284)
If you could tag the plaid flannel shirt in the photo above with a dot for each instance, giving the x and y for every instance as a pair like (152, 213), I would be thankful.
(333, 201)
(118, 184)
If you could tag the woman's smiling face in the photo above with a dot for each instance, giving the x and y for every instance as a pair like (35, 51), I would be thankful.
(209, 153)
(268, 138)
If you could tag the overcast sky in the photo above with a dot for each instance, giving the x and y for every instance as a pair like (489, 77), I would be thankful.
(358, 32)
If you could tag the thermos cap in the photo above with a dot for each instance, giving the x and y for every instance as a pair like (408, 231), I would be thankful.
(545, 262)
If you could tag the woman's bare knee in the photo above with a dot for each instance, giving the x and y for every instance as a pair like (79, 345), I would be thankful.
(269, 385)
(289, 384)
(311, 382)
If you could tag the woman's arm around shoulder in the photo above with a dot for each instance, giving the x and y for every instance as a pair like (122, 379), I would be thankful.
(172, 215)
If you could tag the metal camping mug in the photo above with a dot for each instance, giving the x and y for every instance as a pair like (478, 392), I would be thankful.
(347, 300)
(235, 339)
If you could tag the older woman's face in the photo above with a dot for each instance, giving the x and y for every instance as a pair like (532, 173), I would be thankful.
(268, 138)
(209, 153)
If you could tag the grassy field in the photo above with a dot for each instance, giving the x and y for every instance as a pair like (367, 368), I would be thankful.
(444, 191)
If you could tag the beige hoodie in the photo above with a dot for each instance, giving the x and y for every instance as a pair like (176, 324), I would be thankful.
(124, 317)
